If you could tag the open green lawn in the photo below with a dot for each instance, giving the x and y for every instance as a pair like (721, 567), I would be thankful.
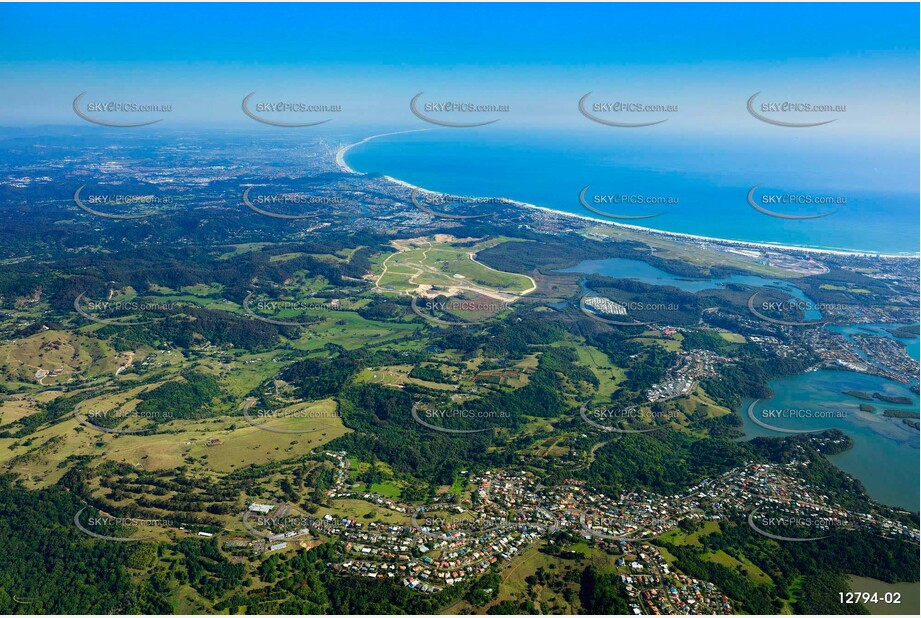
(670, 344)
(443, 264)
(609, 375)
(389, 489)
(351, 331)
(746, 567)
(677, 537)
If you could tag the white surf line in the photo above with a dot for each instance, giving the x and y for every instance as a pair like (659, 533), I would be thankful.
(340, 154)
(340, 161)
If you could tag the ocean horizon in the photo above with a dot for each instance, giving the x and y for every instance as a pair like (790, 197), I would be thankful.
(662, 185)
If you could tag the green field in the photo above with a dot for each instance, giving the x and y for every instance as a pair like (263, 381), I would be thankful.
(439, 263)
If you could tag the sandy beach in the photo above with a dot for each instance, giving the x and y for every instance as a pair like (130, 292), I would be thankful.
(344, 166)
(340, 154)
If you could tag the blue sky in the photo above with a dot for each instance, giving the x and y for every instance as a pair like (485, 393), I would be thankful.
(539, 59)
(444, 35)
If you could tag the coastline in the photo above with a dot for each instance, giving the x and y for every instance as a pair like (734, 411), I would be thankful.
(879, 445)
(344, 167)
(340, 154)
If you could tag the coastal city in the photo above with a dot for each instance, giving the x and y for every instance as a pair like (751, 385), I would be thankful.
(866, 315)
(332, 309)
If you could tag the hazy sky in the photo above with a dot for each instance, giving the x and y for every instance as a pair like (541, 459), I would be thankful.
(538, 59)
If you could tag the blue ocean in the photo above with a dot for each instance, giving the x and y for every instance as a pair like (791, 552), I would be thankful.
(695, 184)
